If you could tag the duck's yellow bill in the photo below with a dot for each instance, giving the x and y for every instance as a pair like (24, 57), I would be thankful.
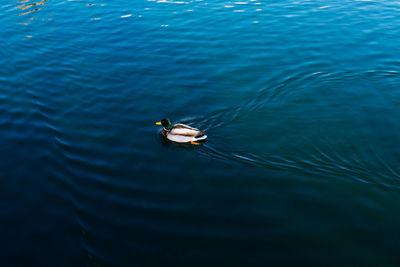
(158, 123)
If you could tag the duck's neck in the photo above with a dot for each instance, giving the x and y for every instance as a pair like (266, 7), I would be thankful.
(169, 127)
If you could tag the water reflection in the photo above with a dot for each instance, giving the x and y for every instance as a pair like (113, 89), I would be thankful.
(25, 5)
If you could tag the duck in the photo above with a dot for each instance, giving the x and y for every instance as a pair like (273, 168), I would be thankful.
(181, 133)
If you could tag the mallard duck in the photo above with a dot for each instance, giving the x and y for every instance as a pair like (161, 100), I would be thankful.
(181, 133)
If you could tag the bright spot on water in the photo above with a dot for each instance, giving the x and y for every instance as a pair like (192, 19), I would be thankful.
(126, 16)
(316, 73)
(324, 7)
(171, 2)
(238, 10)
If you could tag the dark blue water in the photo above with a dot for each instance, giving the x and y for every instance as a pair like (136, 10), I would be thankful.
(300, 101)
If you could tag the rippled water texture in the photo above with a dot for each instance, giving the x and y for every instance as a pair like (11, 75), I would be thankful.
(300, 101)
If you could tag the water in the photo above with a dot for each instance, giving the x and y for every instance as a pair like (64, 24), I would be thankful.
(300, 101)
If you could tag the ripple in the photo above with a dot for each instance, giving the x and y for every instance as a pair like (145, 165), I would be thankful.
(362, 164)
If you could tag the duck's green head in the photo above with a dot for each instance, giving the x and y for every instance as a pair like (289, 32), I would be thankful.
(166, 123)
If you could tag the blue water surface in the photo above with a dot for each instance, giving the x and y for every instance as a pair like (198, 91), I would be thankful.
(300, 101)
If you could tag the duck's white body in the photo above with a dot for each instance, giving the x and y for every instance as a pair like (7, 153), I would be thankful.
(182, 133)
